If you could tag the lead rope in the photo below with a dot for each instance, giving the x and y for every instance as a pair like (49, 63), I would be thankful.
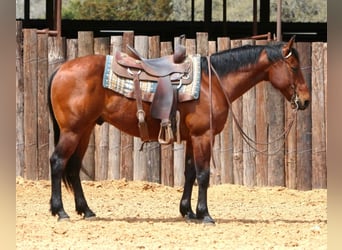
(245, 137)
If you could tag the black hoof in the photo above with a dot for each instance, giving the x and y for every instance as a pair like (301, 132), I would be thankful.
(89, 215)
(207, 220)
(63, 217)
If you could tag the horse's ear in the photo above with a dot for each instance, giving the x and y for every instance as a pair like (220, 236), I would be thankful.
(287, 47)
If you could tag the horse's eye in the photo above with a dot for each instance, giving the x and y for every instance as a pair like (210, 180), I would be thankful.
(294, 69)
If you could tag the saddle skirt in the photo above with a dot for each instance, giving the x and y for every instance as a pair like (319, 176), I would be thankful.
(125, 86)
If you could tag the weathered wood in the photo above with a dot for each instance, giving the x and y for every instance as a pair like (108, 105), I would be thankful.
(153, 148)
(86, 47)
(42, 108)
(57, 48)
(202, 43)
(248, 125)
(226, 153)
(126, 151)
(72, 49)
(237, 138)
(167, 153)
(114, 134)
(30, 103)
(261, 130)
(275, 118)
(20, 139)
(304, 130)
(101, 47)
(140, 163)
(319, 171)
(215, 163)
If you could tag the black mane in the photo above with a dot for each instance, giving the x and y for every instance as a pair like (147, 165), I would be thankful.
(232, 60)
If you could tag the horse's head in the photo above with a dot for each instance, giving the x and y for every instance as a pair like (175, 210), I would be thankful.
(286, 75)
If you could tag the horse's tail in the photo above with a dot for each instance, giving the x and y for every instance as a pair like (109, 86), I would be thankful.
(56, 130)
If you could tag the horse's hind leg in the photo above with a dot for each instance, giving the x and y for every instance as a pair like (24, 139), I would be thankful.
(73, 176)
(58, 161)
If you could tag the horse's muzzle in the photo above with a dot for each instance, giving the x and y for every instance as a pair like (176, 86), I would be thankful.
(299, 104)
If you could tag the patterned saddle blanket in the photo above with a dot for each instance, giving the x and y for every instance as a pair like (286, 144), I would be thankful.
(125, 86)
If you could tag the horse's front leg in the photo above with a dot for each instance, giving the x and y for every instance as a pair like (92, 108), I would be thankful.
(202, 154)
(190, 176)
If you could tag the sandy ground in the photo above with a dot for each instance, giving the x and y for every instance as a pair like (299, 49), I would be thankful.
(141, 215)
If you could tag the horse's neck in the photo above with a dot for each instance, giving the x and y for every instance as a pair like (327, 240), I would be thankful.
(237, 83)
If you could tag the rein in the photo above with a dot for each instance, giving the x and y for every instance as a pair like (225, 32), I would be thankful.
(245, 137)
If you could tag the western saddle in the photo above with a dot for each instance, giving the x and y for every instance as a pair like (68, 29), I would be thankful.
(170, 72)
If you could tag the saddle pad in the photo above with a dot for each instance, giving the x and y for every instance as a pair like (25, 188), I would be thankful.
(125, 86)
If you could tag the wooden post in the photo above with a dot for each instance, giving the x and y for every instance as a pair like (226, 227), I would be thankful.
(304, 130)
(126, 155)
(56, 46)
(226, 154)
(248, 125)
(202, 43)
(101, 47)
(114, 134)
(275, 117)
(72, 49)
(167, 160)
(30, 103)
(237, 138)
(20, 139)
(319, 170)
(42, 108)
(153, 148)
(140, 161)
(215, 172)
(261, 130)
(86, 47)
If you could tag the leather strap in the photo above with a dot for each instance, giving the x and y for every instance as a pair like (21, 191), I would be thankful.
(143, 129)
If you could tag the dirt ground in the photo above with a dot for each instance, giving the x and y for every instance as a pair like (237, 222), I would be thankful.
(141, 215)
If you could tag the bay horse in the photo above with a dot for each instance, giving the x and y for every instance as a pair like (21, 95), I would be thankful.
(78, 102)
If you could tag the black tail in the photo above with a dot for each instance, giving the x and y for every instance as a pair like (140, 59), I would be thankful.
(56, 130)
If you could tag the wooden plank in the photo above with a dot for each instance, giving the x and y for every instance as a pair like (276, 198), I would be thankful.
(72, 49)
(202, 43)
(319, 171)
(215, 170)
(237, 138)
(126, 150)
(56, 47)
(20, 140)
(86, 47)
(101, 47)
(140, 163)
(248, 125)
(226, 153)
(42, 108)
(304, 130)
(275, 117)
(153, 148)
(167, 153)
(261, 129)
(30, 102)
(114, 134)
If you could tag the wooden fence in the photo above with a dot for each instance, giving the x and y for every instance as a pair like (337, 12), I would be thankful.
(299, 164)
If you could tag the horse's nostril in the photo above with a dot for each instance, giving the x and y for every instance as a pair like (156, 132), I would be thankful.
(306, 103)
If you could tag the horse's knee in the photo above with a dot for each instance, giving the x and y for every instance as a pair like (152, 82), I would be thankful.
(203, 177)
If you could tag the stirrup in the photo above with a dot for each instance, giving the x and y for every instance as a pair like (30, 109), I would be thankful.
(165, 133)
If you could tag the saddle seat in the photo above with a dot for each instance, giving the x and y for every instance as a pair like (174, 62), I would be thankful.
(166, 70)
(162, 66)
